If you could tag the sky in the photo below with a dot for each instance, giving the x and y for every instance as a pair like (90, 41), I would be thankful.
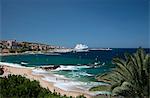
(96, 23)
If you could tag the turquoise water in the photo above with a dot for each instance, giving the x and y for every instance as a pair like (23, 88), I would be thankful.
(74, 63)
(41, 59)
(71, 59)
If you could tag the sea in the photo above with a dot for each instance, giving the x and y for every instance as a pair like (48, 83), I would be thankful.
(76, 66)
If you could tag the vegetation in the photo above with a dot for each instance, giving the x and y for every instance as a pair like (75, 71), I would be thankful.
(16, 86)
(81, 96)
(100, 88)
(131, 76)
(1, 70)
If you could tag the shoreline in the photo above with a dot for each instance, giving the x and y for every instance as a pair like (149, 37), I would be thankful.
(13, 54)
(23, 53)
(28, 73)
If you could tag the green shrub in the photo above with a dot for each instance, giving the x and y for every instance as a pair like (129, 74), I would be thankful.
(1, 71)
(16, 86)
(101, 88)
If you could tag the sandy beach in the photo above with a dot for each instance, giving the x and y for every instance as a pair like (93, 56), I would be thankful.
(28, 73)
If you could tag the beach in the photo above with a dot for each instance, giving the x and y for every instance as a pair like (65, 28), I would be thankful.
(73, 77)
(29, 73)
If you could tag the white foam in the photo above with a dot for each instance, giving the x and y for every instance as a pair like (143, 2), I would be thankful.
(63, 83)
(38, 71)
(66, 68)
(50, 79)
(85, 74)
(66, 84)
(13, 65)
(70, 68)
(76, 74)
(80, 67)
(79, 86)
(24, 63)
(60, 76)
(70, 85)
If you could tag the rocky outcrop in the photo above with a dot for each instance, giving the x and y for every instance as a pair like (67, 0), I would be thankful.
(50, 67)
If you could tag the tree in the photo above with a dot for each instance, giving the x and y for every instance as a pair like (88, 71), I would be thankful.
(131, 76)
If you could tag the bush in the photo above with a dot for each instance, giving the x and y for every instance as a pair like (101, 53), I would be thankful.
(16, 86)
(20, 87)
(81, 96)
(101, 88)
(1, 71)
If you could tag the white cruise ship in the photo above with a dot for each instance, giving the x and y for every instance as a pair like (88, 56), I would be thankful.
(80, 48)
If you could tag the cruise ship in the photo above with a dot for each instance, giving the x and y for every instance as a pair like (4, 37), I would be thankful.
(81, 48)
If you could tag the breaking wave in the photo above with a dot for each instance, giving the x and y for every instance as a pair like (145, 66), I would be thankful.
(66, 68)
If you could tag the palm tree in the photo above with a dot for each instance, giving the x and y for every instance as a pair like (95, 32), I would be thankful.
(131, 76)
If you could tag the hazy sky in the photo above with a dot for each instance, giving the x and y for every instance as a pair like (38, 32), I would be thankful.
(97, 23)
